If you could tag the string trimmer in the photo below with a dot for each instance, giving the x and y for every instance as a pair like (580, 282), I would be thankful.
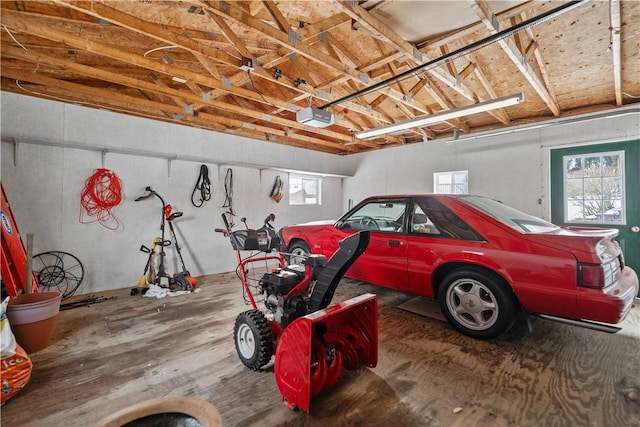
(182, 280)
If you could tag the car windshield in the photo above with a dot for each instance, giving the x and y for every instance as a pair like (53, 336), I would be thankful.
(519, 221)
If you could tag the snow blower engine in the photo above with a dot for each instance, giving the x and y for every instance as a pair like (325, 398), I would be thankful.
(312, 341)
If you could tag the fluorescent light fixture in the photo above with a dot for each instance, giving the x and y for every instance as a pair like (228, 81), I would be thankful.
(178, 79)
(443, 116)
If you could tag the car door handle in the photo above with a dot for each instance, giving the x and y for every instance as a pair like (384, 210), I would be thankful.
(394, 242)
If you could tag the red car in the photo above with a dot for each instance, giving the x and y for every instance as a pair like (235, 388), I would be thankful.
(482, 260)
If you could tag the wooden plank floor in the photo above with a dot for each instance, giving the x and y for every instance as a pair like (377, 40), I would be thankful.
(116, 353)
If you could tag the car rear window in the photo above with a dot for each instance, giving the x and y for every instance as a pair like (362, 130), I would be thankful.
(519, 221)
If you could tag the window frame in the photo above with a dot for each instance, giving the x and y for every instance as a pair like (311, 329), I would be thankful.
(453, 184)
(303, 177)
(343, 222)
(565, 181)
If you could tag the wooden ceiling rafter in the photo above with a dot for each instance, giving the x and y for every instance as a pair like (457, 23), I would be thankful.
(27, 25)
(540, 62)
(316, 53)
(411, 52)
(154, 87)
(230, 11)
(615, 29)
(485, 14)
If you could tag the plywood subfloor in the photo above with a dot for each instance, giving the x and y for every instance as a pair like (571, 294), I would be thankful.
(116, 353)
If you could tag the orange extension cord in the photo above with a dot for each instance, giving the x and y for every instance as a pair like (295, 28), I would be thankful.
(102, 192)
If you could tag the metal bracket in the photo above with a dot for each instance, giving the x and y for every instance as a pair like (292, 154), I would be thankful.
(16, 145)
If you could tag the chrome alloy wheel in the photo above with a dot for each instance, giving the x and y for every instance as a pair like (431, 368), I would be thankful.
(472, 304)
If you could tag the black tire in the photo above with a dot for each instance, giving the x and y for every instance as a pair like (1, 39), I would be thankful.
(253, 339)
(298, 251)
(476, 303)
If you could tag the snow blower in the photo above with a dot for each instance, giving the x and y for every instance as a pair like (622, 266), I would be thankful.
(311, 340)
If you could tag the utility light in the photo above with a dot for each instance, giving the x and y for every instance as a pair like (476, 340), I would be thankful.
(443, 116)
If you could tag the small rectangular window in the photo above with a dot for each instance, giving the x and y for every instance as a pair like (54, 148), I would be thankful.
(456, 182)
(305, 190)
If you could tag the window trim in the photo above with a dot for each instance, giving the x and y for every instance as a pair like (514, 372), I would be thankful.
(622, 175)
(304, 177)
(452, 185)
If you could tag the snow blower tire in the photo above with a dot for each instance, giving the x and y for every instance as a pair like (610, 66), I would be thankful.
(253, 338)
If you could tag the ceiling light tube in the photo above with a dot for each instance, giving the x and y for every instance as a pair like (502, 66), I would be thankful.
(443, 116)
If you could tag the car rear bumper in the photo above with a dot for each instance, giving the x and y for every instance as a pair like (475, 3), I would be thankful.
(610, 305)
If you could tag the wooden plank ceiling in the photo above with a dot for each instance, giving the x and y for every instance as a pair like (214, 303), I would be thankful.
(180, 61)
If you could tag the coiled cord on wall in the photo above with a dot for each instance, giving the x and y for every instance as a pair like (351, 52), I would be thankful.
(102, 192)
(228, 191)
(204, 185)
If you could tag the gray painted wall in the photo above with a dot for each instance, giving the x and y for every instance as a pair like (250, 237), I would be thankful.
(512, 167)
(43, 182)
(43, 185)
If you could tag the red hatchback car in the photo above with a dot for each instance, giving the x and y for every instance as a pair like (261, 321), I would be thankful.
(482, 260)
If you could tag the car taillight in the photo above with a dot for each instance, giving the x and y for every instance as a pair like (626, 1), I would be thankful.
(591, 276)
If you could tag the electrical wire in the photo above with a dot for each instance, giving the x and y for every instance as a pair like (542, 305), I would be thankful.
(102, 192)
(13, 38)
(260, 93)
(160, 48)
(204, 185)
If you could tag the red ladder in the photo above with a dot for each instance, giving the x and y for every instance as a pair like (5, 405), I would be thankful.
(14, 255)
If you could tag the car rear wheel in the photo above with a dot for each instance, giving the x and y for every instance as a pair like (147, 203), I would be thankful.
(477, 304)
(299, 251)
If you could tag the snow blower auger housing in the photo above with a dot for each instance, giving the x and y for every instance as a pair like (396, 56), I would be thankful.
(312, 341)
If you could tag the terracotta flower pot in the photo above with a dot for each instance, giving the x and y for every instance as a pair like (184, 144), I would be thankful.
(32, 318)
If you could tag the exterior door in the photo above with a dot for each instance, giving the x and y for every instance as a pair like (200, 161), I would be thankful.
(599, 185)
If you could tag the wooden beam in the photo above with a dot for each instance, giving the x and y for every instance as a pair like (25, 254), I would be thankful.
(279, 18)
(154, 31)
(482, 9)
(95, 73)
(230, 11)
(28, 25)
(541, 63)
(94, 93)
(616, 31)
(228, 32)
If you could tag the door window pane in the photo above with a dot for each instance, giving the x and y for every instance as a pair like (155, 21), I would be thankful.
(378, 216)
(594, 188)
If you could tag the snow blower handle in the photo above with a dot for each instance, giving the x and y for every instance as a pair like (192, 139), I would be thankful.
(267, 220)
(234, 240)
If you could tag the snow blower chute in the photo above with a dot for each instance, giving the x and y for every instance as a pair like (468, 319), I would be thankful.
(312, 341)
